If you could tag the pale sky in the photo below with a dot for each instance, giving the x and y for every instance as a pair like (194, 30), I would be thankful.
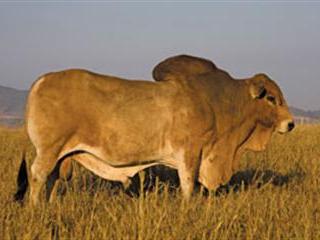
(128, 38)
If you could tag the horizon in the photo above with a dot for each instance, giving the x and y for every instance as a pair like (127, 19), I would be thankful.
(128, 39)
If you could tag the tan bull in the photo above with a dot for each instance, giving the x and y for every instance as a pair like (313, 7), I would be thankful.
(195, 118)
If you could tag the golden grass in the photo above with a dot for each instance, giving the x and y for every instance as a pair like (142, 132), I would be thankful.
(272, 211)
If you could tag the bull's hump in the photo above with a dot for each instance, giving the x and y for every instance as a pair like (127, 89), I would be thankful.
(182, 66)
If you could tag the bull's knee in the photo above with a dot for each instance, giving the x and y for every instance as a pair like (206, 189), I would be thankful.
(65, 171)
(40, 171)
(187, 188)
(54, 192)
(126, 183)
(37, 181)
(187, 181)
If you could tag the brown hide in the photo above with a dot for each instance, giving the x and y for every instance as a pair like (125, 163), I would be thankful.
(195, 118)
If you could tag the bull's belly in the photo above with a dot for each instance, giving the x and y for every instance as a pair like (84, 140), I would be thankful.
(115, 156)
(100, 162)
(115, 173)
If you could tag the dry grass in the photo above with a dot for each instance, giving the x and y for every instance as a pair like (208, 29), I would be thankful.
(286, 206)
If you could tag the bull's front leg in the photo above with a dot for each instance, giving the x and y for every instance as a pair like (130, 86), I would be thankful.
(188, 170)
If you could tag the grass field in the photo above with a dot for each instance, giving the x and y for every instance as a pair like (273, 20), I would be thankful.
(281, 200)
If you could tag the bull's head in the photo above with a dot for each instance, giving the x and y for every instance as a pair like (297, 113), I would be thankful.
(270, 103)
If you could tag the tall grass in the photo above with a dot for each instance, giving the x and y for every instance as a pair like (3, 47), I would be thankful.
(279, 199)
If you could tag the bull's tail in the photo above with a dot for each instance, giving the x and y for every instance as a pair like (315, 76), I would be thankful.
(22, 180)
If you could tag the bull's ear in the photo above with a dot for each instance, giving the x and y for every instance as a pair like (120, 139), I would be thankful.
(257, 91)
(180, 67)
(257, 86)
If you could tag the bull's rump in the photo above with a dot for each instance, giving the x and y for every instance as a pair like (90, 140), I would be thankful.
(117, 116)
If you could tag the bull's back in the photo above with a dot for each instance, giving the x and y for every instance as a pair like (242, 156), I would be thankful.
(81, 106)
(52, 100)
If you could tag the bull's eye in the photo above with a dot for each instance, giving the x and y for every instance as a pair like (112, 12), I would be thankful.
(272, 99)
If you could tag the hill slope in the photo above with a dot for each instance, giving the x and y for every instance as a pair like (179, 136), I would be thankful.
(300, 112)
(12, 103)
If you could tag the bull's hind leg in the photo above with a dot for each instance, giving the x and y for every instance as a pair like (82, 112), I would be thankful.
(42, 168)
(65, 174)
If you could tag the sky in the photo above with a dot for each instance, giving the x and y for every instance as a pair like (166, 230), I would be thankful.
(128, 38)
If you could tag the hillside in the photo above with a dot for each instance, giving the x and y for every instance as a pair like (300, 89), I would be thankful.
(307, 114)
(12, 102)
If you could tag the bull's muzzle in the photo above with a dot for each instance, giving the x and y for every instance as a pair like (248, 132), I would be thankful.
(286, 126)
(291, 126)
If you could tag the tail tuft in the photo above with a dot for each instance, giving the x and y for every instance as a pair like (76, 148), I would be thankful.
(22, 181)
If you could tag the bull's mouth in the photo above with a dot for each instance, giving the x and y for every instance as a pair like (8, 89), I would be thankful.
(282, 133)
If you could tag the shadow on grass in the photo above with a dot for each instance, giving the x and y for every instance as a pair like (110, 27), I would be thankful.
(257, 178)
(161, 177)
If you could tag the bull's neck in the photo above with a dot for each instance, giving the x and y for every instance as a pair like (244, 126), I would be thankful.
(230, 101)
(245, 128)
(233, 106)
(238, 134)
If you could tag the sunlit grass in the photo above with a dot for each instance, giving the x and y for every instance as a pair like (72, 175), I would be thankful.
(287, 211)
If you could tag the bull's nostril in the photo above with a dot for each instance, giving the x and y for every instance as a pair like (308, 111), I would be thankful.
(290, 126)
